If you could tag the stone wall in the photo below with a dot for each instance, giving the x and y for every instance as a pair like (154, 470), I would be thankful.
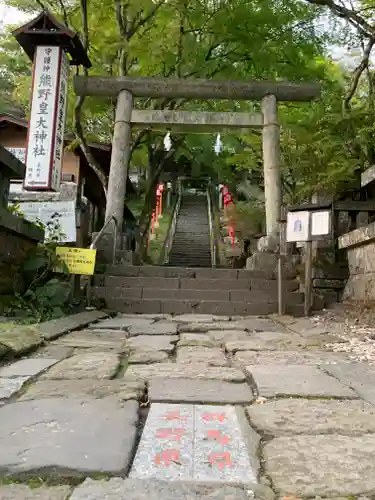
(360, 248)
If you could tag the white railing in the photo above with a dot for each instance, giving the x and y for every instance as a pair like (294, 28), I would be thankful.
(211, 227)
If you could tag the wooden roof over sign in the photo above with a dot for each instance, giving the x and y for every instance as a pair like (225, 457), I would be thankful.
(7, 119)
(45, 29)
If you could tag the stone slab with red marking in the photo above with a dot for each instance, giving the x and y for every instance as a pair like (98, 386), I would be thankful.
(197, 443)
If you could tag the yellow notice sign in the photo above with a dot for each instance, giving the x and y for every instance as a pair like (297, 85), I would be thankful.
(77, 260)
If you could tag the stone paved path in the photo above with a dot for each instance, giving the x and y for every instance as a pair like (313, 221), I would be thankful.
(186, 407)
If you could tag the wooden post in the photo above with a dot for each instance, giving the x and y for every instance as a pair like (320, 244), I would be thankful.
(79, 228)
(271, 162)
(308, 277)
(120, 158)
(281, 261)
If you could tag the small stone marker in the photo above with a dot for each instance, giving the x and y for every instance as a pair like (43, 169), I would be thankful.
(166, 448)
(193, 443)
(220, 450)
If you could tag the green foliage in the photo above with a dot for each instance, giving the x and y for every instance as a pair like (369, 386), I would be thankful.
(322, 148)
(46, 293)
(15, 209)
(247, 218)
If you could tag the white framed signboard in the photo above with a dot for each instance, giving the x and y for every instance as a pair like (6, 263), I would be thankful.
(298, 226)
(320, 223)
(308, 225)
(47, 119)
(44, 212)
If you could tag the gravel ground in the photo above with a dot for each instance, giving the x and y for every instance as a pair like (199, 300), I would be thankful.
(354, 322)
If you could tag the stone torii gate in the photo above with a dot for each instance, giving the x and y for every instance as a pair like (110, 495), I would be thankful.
(128, 88)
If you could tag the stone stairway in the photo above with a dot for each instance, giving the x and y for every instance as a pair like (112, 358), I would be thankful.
(191, 243)
(177, 290)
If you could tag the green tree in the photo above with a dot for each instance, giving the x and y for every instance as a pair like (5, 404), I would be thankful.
(262, 39)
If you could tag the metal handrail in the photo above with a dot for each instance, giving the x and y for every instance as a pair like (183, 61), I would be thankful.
(212, 237)
(112, 218)
(172, 229)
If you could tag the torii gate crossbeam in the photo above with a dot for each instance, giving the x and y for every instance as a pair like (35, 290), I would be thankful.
(126, 88)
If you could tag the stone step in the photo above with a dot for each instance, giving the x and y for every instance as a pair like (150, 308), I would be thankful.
(199, 259)
(186, 272)
(188, 213)
(168, 306)
(194, 251)
(194, 255)
(108, 292)
(220, 308)
(193, 235)
(191, 283)
(192, 241)
(197, 226)
(191, 245)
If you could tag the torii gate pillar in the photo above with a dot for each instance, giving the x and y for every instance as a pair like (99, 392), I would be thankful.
(121, 147)
(271, 163)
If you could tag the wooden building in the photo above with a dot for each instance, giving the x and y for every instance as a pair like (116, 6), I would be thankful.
(75, 169)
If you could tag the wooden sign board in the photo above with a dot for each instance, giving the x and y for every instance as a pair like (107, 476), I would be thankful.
(47, 119)
(78, 260)
(306, 226)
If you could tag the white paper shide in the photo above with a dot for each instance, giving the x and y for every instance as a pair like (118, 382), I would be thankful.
(47, 119)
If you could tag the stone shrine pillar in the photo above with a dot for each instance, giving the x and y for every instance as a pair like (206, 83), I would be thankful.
(271, 162)
(121, 145)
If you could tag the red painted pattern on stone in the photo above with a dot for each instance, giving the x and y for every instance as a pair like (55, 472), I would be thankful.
(220, 459)
(218, 436)
(167, 457)
(175, 415)
(209, 417)
(170, 433)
